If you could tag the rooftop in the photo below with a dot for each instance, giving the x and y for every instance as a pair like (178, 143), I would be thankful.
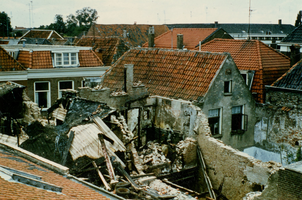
(292, 79)
(191, 37)
(295, 36)
(177, 74)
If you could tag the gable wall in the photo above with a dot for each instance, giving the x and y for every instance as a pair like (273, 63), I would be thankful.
(215, 98)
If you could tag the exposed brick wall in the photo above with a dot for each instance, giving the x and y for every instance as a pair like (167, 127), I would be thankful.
(289, 185)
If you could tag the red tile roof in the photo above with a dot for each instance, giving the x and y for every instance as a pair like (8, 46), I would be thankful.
(16, 190)
(176, 74)
(191, 37)
(8, 63)
(43, 59)
(39, 33)
(137, 34)
(108, 49)
(268, 64)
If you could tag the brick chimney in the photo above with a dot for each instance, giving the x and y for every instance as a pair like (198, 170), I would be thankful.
(128, 77)
(180, 39)
(151, 37)
(280, 22)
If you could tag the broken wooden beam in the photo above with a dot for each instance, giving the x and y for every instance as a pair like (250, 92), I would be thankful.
(67, 147)
(107, 159)
(180, 187)
(101, 176)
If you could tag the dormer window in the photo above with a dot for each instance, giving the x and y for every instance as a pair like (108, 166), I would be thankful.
(66, 59)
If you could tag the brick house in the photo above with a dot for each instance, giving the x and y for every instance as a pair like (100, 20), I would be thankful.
(209, 80)
(258, 63)
(46, 70)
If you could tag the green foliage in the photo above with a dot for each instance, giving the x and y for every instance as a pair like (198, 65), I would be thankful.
(75, 24)
(5, 26)
(299, 155)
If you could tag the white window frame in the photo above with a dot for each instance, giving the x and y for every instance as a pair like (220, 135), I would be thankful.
(48, 94)
(63, 56)
(243, 117)
(60, 90)
(220, 119)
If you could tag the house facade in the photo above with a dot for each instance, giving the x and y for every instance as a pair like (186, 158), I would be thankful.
(47, 70)
(210, 81)
(258, 63)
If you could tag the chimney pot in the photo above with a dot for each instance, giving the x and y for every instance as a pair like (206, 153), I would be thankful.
(280, 22)
(180, 41)
(128, 71)
(216, 24)
(151, 37)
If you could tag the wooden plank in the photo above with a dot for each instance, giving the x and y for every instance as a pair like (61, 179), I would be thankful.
(107, 159)
(106, 131)
(67, 147)
(101, 176)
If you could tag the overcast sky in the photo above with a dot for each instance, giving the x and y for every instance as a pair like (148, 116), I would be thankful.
(154, 11)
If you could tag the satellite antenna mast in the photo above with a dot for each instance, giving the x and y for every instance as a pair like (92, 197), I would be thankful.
(249, 27)
(32, 13)
(29, 15)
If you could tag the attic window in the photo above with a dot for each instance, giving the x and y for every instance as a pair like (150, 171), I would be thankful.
(227, 87)
(66, 59)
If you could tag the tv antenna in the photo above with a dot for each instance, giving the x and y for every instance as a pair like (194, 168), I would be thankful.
(249, 27)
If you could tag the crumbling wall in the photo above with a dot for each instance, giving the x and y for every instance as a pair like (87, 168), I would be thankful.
(233, 173)
(279, 123)
(177, 115)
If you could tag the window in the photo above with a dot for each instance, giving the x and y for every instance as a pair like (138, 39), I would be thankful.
(66, 59)
(227, 86)
(63, 85)
(239, 119)
(42, 94)
(214, 121)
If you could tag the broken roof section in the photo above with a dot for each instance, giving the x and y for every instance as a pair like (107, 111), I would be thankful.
(191, 37)
(109, 49)
(133, 35)
(267, 63)
(176, 74)
(8, 63)
(292, 79)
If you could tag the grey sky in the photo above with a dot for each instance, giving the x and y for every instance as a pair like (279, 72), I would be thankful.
(155, 11)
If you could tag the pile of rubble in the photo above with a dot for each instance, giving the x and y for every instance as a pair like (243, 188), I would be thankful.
(94, 141)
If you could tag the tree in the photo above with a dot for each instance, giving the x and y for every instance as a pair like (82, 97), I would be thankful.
(86, 17)
(59, 24)
(5, 25)
(299, 155)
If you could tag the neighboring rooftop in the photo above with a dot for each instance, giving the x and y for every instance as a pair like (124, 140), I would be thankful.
(109, 49)
(8, 63)
(176, 74)
(40, 33)
(242, 28)
(254, 55)
(23, 179)
(295, 36)
(134, 34)
(191, 37)
(292, 79)
(40, 56)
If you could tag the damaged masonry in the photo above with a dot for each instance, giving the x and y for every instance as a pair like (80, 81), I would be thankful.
(145, 146)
